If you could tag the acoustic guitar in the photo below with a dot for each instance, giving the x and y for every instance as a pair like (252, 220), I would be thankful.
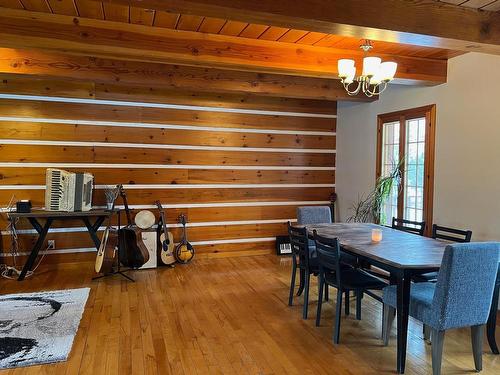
(107, 250)
(166, 239)
(133, 252)
(184, 251)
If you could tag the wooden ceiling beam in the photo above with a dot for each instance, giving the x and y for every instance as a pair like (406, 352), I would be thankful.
(154, 76)
(423, 23)
(23, 29)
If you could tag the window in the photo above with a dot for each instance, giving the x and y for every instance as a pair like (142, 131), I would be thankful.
(406, 139)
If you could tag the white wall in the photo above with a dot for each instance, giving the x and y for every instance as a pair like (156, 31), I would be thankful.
(467, 164)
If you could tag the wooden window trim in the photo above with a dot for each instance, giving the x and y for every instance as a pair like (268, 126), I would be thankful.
(429, 112)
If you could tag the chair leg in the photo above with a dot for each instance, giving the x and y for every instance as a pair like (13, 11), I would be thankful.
(338, 313)
(292, 282)
(327, 297)
(306, 295)
(347, 297)
(437, 338)
(301, 282)
(320, 299)
(426, 330)
(477, 333)
(388, 319)
(359, 296)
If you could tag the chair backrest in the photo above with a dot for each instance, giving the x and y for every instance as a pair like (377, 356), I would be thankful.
(299, 243)
(465, 284)
(451, 234)
(328, 255)
(415, 227)
(314, 215)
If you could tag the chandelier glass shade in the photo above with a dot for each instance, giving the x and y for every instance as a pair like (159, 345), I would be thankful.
(374, 77)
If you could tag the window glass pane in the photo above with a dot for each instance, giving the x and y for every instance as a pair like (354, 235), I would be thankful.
(390, 161)
(412, 131)
(414, 169)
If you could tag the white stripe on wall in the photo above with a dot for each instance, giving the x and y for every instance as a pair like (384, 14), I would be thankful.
(31, 142)
(196, 243)
(182, 186)
(58, 99)
(235, 240)
(163, 166)
(165, 126)
(190, 225)
(215, 205)
(48, 252)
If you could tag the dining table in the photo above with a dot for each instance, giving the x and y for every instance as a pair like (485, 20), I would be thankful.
(403, 255)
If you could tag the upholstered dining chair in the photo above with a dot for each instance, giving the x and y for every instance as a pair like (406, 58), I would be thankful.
(341, 277)
(461, 297)
(303, 259)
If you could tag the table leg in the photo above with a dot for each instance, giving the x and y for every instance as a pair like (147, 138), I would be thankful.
(492, 319)
(42, 233)
(92, 231)
(403, 306)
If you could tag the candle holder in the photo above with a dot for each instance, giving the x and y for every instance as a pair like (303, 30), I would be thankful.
(376, 235)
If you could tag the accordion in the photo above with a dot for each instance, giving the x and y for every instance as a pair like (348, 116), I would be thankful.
(66, 191)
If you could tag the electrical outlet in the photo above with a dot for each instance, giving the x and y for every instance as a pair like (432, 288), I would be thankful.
(51, 244)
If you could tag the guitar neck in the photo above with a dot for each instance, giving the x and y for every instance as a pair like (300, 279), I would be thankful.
(125, 203)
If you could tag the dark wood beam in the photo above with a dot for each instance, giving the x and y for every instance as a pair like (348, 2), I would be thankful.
(154, 76)
(419, 22)
(23, 29)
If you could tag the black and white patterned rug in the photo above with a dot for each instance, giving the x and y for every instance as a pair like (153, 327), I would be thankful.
(38, 328)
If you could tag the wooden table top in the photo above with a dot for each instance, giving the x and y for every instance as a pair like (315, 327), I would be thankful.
(397, 248)
(60, 214)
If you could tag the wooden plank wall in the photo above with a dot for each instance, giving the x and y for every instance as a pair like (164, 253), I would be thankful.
(237, 166)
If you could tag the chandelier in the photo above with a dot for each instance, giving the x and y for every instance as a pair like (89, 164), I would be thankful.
(374, 76)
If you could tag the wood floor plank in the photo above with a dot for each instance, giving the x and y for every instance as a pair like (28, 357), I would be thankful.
(226, 316)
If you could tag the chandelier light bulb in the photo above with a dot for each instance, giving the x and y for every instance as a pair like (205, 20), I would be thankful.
(388, 70)
(371, 66)
(345, 67)
(351, 74)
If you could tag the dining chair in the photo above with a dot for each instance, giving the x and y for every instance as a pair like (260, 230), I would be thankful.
(461, 297)
(445, 234)
(451, 234)
(322, 215)
(305, 260)
(344, 279)
(415, 227)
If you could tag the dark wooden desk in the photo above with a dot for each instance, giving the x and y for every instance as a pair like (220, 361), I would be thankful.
(404, 255)
(49, 217)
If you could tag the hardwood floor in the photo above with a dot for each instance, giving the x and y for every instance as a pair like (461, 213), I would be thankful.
(226, 316)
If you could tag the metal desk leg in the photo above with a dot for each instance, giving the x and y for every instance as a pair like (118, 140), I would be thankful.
(403, 307)
(492, 319)
(92, 229)
(42, 233)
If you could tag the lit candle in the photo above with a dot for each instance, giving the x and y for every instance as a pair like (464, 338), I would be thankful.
(376, 235)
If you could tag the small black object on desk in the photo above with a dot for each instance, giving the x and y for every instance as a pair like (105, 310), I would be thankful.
(49, 217)
(23, 206)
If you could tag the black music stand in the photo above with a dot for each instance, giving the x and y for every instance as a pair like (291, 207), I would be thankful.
(118, 270)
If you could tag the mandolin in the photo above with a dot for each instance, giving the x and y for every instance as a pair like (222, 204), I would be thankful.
(133, 253)
(184, 251)
(107, 250)
(166, 239)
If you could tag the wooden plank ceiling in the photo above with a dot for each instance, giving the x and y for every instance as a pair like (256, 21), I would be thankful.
(211, 25)
(492, 5)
